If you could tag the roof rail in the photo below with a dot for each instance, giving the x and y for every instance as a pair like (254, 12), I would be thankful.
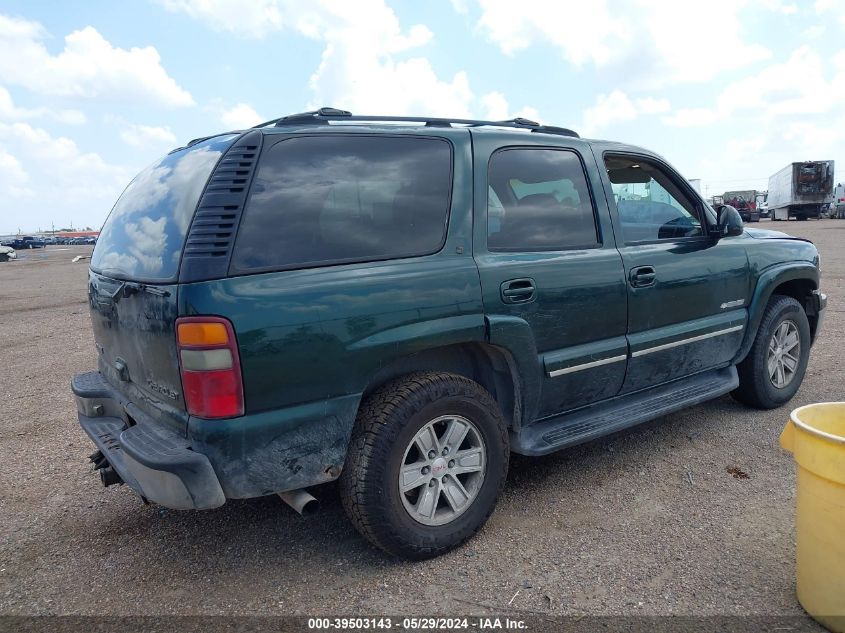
(324, 115)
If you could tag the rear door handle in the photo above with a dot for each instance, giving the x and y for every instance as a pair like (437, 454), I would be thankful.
(642, 276)
(518, 290)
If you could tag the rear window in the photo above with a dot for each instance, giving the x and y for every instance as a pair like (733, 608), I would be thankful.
(143, 236)
(333, 199)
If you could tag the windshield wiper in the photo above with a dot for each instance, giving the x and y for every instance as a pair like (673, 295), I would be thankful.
(128, 288)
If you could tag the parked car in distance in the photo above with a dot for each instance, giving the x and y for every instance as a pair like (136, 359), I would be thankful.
(402, 303)
(27, 242)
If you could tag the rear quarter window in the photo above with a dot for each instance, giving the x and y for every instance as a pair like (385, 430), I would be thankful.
(144, 234)
(335, 199)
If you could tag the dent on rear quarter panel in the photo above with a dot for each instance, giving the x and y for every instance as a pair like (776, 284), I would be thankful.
(278, 450)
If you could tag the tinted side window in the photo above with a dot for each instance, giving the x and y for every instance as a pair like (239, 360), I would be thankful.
(332, 199)
(538, 201)
(650, 205)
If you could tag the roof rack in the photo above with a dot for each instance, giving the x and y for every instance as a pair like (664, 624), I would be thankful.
(324, 115)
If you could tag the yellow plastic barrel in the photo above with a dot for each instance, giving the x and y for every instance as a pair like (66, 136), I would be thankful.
(815, 435)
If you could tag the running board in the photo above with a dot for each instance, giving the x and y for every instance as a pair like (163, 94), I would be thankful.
(621, 412)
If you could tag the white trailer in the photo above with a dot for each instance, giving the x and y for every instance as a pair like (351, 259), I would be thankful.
(696, 184)
(800, 189)
(839, 200)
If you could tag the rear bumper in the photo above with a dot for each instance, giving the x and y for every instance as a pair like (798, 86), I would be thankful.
(156, 463)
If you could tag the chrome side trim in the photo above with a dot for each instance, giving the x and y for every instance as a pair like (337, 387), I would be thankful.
(732, 304)
(595, 363)
(700, 337)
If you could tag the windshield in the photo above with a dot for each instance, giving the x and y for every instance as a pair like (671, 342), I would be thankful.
(143, 236)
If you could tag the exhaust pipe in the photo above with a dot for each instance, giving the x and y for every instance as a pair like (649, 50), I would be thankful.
(301, 501)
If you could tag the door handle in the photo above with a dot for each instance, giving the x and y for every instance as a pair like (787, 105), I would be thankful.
(642, 276)
(518, 290)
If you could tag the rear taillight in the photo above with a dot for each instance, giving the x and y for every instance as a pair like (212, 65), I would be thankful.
(210, 366)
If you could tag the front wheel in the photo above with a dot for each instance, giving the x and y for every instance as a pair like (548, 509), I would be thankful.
(427, 460)
(773, 370)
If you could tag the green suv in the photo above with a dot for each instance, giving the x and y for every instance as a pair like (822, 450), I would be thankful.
(401, 303)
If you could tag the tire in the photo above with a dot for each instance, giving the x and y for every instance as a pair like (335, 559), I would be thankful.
(383, 441)
(757, 387)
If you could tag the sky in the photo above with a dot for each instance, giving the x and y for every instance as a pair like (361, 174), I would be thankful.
(729, 91)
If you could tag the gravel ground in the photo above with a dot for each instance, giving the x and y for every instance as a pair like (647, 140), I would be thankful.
(648, 522)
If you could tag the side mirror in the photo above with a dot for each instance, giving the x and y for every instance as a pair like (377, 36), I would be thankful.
(728, 222)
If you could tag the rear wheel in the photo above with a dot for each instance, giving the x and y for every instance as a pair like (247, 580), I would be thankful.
(427, 461)
(773, 370)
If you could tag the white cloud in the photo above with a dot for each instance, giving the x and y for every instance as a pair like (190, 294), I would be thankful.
(143, 136)
(771, 93)
(319, 19)
(460, 6)
(495, 107)
(364, 66)
(89, 66)
(255, 19)
(609, 108)
(775, 90)
(692, 117)
(835, 7)
(650, 105)
(13, 177)
(617, 107)
(642, 37)
(779, 6)
(355, 79)
(240, 116)
(814, 32)
(70, 183)
(584, 31)
(10, 112)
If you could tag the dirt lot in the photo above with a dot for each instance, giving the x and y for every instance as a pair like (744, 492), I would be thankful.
(646, 522)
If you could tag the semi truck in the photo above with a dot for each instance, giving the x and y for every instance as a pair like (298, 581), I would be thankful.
(799, 190)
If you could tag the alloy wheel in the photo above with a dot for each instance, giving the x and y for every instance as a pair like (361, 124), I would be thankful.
(442, 470)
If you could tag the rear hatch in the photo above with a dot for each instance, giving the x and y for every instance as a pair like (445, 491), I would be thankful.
(132, 284)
